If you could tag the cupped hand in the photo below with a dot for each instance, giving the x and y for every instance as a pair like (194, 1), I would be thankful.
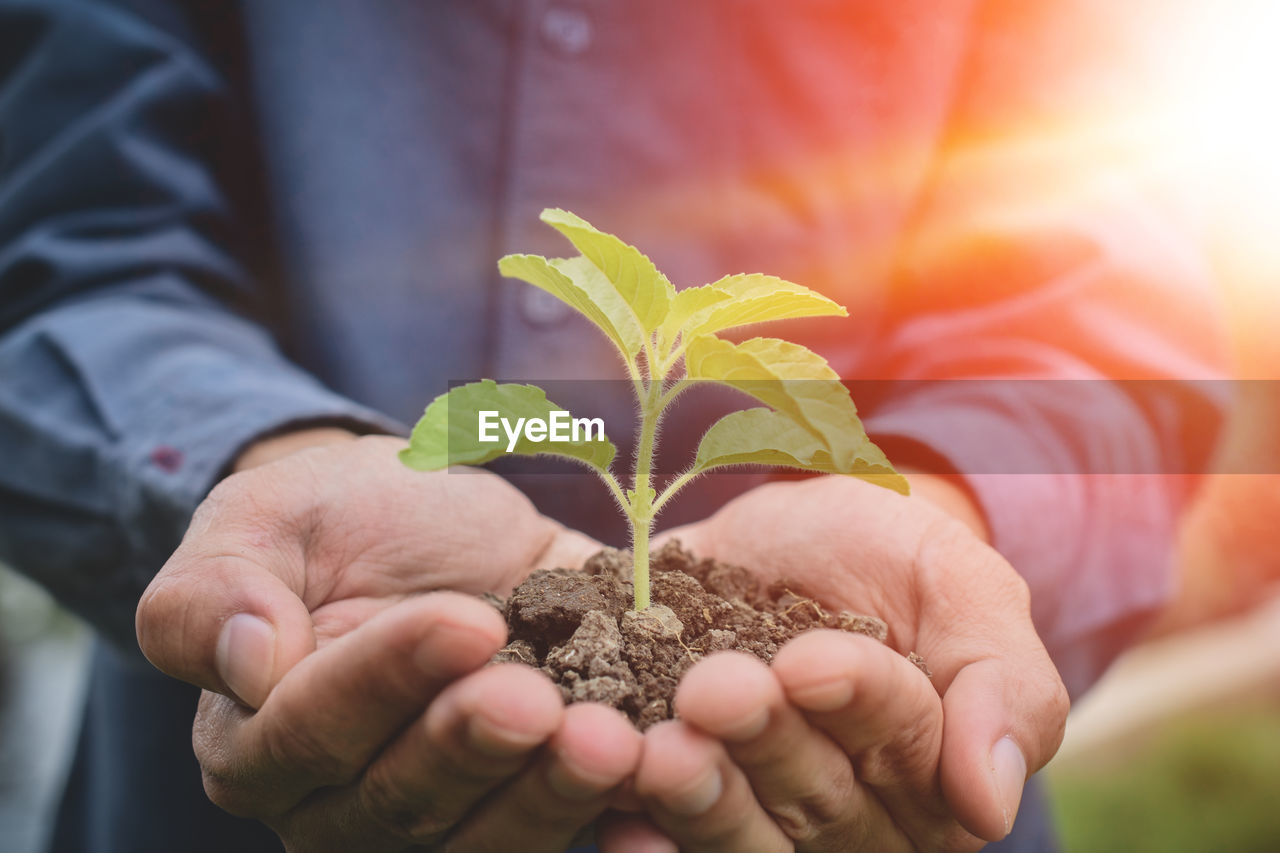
(844, 744)
(346, 700)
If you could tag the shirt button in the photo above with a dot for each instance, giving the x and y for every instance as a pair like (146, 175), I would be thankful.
(541, 308)
(567, 30)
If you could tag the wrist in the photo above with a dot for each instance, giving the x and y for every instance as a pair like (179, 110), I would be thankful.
(274, 447)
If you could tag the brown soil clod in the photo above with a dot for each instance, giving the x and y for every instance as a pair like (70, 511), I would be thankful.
(577, 626)
(920, 664)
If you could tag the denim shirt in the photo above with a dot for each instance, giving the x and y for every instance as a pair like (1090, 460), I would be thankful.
(219, 220)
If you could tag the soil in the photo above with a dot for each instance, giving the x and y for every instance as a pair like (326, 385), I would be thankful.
(578, 626)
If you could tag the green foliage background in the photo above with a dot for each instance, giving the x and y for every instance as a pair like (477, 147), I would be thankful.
(1202, 783)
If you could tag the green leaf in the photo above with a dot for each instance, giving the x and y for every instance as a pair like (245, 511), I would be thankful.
(741, 300)
(687, 303)
(645, 290)
(577, 283)
(786, 377)
(766, 437)
(449, 431)
(759, 298)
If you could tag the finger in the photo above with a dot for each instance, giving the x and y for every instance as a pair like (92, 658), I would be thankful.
(225, 612)
(333, 712)
(595, 749)
(885, 715)
(1001, 725)
(800, 777)
(1004, 704)
(567, 549)
(481, 731)
(631, 833)
(873, 702)
(699, 798)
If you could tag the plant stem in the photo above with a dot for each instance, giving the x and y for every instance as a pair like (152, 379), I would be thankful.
(615, 489)
(676, 485)
(653, 367)
(642, 499)
(640, 558)
(675, 391)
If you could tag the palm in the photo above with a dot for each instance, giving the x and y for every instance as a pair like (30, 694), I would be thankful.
(347, 703)
(921, 746)
(375, 532)
(861, 548)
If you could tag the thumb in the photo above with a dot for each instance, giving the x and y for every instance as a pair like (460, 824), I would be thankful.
(1000, 725)
(1004, 706)
(567, 548)
(225, 612)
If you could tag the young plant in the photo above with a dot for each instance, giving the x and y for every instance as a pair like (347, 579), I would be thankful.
(809, 421)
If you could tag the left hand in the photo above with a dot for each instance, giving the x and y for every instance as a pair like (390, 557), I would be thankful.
(843, 744)
(348, 703)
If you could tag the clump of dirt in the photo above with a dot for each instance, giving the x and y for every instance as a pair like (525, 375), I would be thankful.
(578, 626)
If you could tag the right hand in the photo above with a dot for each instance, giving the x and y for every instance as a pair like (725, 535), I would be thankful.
(841, 744)
(346, 700)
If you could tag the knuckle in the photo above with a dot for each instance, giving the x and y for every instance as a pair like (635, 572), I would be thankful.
(1019, 592)
(793, 819)
(222, 770)
(228, 795)
(401, 817)
(914, 748)
(298, 751)
(813, 820)
(878, 767)
(1060, 703)
(1057, 706)
(159, 621)
(153, 611)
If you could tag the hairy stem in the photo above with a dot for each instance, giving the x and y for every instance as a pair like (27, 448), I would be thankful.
(641, 500)
(640, 556)
(654, 365)
(674, 391)
(676, 485)
(615, 489)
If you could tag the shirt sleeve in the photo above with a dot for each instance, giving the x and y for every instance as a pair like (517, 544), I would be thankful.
(1053, 331)
(127, 380)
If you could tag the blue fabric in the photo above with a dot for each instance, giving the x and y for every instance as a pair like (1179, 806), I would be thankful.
(128, 382)
(222, 220)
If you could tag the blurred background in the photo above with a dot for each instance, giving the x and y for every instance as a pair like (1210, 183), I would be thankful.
(1178, 748)
(43, 659)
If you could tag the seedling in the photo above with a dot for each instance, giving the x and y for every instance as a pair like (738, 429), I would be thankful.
(668, 341)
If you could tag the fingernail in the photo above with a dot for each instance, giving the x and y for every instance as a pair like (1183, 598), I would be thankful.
(447, 650)
(497, 741)
(697, 798)
(1010, 770)
(245, 657)
(831, 695)
(749, 728)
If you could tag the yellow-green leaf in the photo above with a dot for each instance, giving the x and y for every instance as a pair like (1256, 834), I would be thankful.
(646, 291)
(577, 283)
(687, 303)
(766, 437)
(759, 298)
(786, 377)
(449, 432)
